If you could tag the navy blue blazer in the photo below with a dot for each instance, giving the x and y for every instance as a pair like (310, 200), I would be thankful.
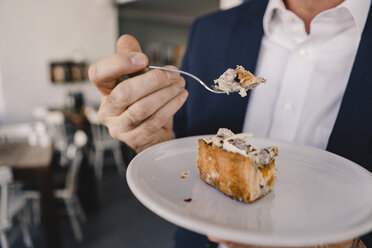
(232, 37)
(228, 38)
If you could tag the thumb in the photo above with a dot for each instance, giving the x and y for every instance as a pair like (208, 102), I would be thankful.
(127, 43)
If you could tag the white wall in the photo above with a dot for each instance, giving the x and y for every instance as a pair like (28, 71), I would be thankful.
(34, 32)
(2, 102)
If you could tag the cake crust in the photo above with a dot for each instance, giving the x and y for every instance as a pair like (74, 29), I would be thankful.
(233, 174)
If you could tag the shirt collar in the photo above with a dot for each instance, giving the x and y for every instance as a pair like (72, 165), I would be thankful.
(358, 8)
(272, 6)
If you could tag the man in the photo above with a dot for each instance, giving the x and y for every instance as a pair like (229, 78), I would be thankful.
(315, 54)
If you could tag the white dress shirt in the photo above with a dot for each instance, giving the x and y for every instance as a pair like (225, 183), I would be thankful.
(306, 74)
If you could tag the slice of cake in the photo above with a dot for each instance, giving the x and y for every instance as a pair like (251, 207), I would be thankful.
(230, 163)
(238, 80)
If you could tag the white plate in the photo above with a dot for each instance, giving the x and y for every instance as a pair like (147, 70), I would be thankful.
(318, 197)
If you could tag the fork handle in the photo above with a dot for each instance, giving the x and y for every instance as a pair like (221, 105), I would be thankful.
(187, 74)
(164, 68)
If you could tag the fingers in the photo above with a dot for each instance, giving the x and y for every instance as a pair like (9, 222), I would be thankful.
(145, 107)
(215, 239)
(146, 134)
(230, 244)
(133, 89)
(105, 72)
(139, 110)
(344, 244)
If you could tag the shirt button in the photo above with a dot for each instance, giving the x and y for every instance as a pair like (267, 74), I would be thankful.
(288, 107)
(303, 54)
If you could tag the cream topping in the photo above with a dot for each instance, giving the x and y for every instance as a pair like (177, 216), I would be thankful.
(238, 143)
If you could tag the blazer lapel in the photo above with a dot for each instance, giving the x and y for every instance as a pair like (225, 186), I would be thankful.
(353, 128)
(243, 50)
(247, 35)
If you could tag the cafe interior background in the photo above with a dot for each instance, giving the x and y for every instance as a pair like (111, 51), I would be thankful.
(48, 123)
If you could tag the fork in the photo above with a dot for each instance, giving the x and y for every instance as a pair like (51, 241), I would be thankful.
(210, 88)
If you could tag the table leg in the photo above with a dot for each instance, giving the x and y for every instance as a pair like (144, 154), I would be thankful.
(48, 207)
(42, 179)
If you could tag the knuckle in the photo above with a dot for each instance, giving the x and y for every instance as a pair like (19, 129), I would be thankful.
(158, 77)
(131, 118)
(150, 127)
(119, 97)
(102, 118)
(135, 145)
(93, 73)
(137, 114)
(114, 132)
(157, 121)
(131, 141)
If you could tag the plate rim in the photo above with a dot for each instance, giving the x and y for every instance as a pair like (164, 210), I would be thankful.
(200, 226)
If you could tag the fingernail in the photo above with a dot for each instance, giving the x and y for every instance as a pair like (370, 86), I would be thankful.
(172, 75)
(139, 59)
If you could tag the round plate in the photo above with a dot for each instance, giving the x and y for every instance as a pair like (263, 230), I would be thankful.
(318, 197)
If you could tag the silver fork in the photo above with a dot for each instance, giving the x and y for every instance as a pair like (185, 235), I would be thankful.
(210, 88)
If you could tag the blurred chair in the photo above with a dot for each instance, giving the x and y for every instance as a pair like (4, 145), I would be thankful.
(102, 141)
(13, 207)
(68, 193)
(56, 127)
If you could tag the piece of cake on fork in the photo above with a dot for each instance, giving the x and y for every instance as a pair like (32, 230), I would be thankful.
(230, 163)
(237, 80)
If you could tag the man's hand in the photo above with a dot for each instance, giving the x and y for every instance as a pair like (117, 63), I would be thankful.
(139, 110)
(344, 244)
